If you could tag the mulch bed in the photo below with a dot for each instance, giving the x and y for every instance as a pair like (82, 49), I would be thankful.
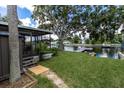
(24, 82)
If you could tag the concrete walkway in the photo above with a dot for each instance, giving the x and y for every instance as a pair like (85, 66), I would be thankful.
(55, 79)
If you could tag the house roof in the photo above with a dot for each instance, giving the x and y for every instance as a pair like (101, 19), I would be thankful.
(25, 29)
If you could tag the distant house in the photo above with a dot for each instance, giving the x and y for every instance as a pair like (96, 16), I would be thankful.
(54, 44)
(66, 42)
(27, 49)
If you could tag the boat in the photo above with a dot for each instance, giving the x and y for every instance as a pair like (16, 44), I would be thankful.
(104, 55)
(121, 55)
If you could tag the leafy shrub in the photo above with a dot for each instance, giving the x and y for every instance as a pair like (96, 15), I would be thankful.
(76, 40)
(54, 51)
(87, 41)
(42, 48)
(97, 49)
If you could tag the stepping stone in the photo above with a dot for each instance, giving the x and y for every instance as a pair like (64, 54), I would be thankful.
(38, 69)
(55, 79)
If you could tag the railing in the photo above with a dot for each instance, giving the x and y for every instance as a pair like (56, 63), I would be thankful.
(30, 60)
(94, 45)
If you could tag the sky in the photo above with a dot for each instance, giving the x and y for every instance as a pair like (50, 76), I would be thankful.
(24, 15)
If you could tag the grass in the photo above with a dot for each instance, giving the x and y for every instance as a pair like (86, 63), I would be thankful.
(81, 70)
(43, 82)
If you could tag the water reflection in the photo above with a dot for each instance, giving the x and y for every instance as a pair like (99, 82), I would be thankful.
(100, 51)
(103, 53)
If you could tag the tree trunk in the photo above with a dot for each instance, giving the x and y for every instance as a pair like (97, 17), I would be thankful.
(13, 43)
(61, 45)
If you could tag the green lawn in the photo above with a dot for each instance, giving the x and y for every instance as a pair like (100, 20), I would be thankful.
(82, 70)
(43, 82)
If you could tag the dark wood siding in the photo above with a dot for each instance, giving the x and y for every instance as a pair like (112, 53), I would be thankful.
(20, 53)
(0, 61)
(4, 57)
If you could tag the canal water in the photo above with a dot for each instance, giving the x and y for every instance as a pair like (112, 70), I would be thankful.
(100, 51)
(107, 52)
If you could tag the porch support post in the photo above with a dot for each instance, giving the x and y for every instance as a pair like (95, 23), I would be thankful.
(31, 43)
(50, 40)
(24, 40)
(41, 38)
(35, 42)
(24, 45)
(37, 39)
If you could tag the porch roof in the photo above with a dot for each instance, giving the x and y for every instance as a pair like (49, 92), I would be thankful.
(25, 30)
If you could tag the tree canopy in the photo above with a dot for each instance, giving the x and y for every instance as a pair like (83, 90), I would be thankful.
(100, 21)
(59, 18)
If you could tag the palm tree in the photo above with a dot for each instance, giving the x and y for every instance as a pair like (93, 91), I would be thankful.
(13, 43)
